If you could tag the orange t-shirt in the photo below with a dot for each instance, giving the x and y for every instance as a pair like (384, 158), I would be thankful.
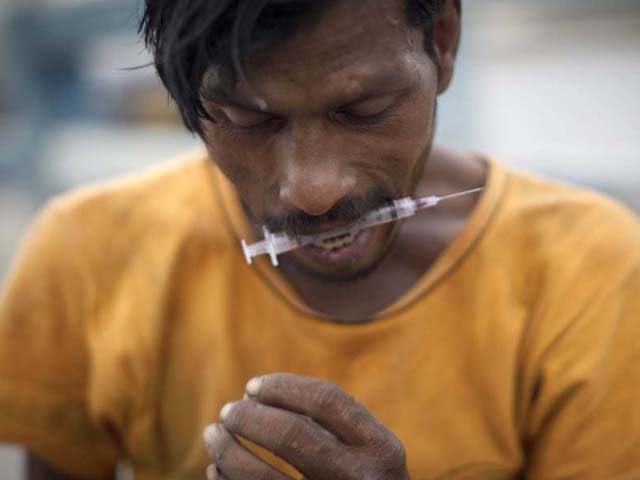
(131, 317)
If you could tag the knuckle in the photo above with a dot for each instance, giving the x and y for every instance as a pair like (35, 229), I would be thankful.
(236, 416)
(322, 449)
(291, 438)
(327, 397)
(274, 384)
(219, 445)
(263, 474)
(396, 448)
(394, 457)
(300, 440)
(327, 460)
(212, 472)
(360, 419)
(356, 465)
(387, 457)
(365, 469)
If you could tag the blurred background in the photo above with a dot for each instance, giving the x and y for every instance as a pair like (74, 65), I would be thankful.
(550, 86)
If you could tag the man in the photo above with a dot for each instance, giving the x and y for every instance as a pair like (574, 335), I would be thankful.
(492, 337)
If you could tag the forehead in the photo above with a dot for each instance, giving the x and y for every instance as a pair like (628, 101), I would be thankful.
(350, 46)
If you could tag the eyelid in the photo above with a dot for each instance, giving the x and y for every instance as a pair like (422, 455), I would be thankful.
(246, 118)
(369, 107)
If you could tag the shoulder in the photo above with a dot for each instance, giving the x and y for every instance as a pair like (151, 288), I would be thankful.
(539, 197)
(563, 221)
(172, 199)
(142, 220)
(160, 192)
(565, 249)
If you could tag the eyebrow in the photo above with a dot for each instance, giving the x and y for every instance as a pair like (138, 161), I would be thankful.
(372, 88)
(379, 84)
(224, 97)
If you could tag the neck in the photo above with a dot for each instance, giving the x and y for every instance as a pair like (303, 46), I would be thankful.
(418, 242)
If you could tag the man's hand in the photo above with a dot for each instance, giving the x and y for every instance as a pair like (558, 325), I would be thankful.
(311, 424)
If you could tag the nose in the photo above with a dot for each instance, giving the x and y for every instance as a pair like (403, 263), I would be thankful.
(313, 173)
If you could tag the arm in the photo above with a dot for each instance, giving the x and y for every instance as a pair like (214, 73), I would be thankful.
(45, 355)
(584, 421)
(38, 469)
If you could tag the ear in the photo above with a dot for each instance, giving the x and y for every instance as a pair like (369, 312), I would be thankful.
(446, 40)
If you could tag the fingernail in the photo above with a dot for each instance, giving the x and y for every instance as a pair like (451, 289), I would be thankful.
(253, 386)
(210, 433)
(225, 410)
(212, 472)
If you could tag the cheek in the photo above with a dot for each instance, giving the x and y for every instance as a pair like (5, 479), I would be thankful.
(402, 148)
(248, 170)
(415, 129)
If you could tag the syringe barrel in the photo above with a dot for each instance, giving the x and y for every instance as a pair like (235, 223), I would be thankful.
(405, 207)
(402, 208)
(285, 243)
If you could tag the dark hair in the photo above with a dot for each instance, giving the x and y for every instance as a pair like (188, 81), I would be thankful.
(188, 37)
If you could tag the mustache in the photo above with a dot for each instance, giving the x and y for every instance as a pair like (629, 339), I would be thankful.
(345, 211)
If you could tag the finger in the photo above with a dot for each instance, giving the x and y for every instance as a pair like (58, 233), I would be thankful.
(233, 460)
(299, 441)
(324, 402)
(213, 474)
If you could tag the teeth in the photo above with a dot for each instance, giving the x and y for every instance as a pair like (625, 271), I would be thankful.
(338, 242)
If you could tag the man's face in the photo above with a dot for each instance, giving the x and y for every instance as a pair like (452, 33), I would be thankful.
(346, 122)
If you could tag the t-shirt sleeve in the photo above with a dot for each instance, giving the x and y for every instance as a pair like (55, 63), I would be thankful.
(45, 359)
(585, 419)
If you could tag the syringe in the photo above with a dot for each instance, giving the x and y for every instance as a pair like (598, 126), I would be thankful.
(275, 244)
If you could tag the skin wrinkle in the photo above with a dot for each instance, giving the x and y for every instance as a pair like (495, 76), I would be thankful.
(396, 127)
(309, 159)
(336, 40)
(290, 436)
(360, 446)
(336, 53)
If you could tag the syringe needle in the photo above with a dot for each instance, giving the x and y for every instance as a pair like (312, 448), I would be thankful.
(460, 194)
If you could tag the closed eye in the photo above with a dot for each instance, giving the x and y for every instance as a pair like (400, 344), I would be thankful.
(368, 111)
(358, 118)
(247, 118)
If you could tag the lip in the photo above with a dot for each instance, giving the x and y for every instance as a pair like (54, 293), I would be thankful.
(348, 254)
